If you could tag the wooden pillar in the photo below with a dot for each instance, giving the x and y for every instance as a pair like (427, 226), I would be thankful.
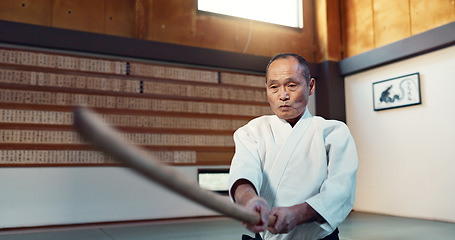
(330, 101)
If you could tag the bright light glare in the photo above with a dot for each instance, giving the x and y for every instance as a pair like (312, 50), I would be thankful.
(283, 12)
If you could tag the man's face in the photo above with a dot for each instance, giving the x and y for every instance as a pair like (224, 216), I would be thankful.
(287, 89)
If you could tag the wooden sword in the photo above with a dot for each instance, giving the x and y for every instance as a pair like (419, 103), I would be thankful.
(105, 138)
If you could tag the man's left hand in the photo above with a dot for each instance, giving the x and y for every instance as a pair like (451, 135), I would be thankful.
(286, 220)
(289, 217)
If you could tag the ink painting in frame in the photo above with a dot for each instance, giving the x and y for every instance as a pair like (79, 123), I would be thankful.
(397, 92)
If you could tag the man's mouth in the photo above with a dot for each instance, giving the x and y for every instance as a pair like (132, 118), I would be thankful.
(284, 106)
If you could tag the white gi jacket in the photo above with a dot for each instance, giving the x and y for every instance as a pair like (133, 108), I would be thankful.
(315, 162)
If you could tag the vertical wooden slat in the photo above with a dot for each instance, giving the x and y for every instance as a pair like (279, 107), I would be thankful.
(391, 21)
(142, 9)
(308, 31)
(358, 26)
(333, 30)
(321, 30)
(328, 30)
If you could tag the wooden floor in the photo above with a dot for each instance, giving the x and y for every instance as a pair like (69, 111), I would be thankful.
(358, 226)
(363, 226)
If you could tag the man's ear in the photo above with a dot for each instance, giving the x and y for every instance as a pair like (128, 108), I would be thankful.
(312, 86)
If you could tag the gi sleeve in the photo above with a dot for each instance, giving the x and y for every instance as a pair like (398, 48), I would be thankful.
(246, 163)
(336, 197)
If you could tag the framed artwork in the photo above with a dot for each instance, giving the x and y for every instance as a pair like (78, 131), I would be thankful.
(216, 180)
(397, 92)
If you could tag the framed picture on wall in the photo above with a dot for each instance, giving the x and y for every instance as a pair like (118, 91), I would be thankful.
(397, 92)
(216, 180)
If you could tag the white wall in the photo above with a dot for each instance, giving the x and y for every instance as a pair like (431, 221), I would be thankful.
(55, 196)
(407, 158)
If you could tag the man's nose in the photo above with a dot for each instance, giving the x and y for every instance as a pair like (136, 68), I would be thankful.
(284, 94)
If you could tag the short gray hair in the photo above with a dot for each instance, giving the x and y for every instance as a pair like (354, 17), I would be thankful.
(302, 62)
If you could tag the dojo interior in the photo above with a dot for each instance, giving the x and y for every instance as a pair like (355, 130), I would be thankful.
(61, 188)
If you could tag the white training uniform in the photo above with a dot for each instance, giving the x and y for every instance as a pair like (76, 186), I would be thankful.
(315, 162)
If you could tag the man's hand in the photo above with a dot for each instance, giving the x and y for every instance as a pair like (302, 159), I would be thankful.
(286, 220)
(289, 217)
(261, 206)
(245, 194)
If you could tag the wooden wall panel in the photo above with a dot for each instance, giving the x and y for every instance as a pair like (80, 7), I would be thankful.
(391, 21)
(358, 26)
(366, 24)
(369, 24)
(214, 158)
(172, 21)
(83, 15)
(120, 18)
(284, 40)
(426, 15)
(216, 32)
(27, 11)
(259, 42)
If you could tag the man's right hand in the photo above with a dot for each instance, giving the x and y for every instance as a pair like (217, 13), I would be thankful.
(245, 194)
(261, 206)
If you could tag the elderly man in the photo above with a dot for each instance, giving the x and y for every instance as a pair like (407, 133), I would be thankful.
(292, 165)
